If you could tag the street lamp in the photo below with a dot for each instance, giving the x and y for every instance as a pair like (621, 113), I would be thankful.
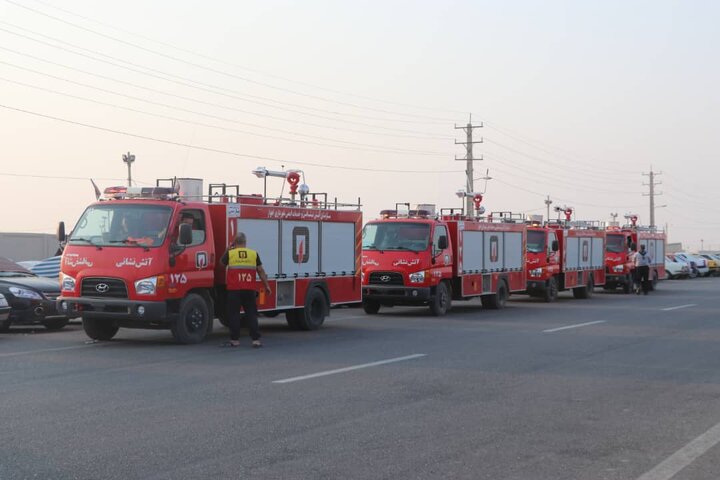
(129, 159)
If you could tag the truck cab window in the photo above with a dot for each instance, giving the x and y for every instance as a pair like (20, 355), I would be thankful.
(196, 219)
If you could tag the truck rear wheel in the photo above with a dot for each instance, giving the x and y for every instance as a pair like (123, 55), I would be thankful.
(654, 281)
(551, 291)
(498, 300)
(371, 307)
(316, 309)
(586, 291)
(55, 323)
(442, 301)
(193, 320)
(98, 329)
(628, 285)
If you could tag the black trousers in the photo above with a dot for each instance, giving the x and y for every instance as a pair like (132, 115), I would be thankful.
(643, 277)
(246, 300)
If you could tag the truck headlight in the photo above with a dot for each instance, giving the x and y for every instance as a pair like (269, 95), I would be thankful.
(67, 283)
(146, 286)
(25, 293)
(618, 268)
(536, 272)
(417, 277)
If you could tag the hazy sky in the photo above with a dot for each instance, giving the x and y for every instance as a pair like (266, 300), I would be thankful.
(578, 98)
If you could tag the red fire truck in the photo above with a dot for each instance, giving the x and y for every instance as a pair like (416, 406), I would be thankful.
(418, 258)
(565, 255)
(150, 257)
(619, 242)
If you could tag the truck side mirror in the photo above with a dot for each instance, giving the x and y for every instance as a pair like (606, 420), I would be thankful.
(61, 232)
(442, 243)
(185, 234)
(555, 246)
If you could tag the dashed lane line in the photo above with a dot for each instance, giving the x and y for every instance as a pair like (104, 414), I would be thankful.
(349, 369)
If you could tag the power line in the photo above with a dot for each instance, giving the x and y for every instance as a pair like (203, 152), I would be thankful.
(201, 124)
(204, 67)
(195, 100)
(217, 150)
(183, 81)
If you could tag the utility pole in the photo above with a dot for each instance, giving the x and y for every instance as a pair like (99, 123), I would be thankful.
(548, 202)
(129, 159)
(469, 188)
(652, 183)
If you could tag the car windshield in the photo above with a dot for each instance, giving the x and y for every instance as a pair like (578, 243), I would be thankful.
(615, 244)
(396, 236)
(535, 241)
(117, 224)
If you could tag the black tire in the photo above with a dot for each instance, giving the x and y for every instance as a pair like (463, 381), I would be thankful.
(371, 307)
(497, 300)
(292, 318)
(193, 321)
(586, 291)
(98, 329)
(5, 326)
(551, 291)
(654, 281)
(316, 309)
(56, 323)
(441, 303)
(628, 285)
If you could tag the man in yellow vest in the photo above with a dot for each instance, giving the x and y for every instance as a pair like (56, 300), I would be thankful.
(242, 265)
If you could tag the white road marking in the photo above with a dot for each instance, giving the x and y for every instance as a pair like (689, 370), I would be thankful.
(30, 352)
(669, 467)
(679, 307)
(349, 369)
(573, 326)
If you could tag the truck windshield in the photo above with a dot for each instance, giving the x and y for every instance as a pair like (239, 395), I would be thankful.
(114, 224)
(615, 243)
(396, 236)
(535, 241)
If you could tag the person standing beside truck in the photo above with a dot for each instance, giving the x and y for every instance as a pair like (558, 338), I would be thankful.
(242, 264)
(642, 269)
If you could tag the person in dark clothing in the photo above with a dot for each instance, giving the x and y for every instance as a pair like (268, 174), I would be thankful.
(242, 265)
(642, 269)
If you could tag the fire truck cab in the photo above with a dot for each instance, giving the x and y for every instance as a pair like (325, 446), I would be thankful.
(564, 255)
(149, 257)
(620, 241)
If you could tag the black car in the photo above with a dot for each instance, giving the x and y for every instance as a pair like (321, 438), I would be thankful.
(4, 310)
(31, 298)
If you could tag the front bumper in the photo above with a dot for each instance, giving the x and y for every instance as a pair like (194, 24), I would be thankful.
(397, 294)
(26, 311)
(536, 286)
(616, 279)
(122, 310)
(4, 314)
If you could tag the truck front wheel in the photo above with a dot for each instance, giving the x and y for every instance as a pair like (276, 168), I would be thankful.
(371, 307)
(193, 320)
(442, 301)
(98, 329)
(551, 290)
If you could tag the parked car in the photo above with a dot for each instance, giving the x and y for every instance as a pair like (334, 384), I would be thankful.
(700, 265)
(713, 264)
(49, 267)
(31, 298)
(4, 311)
(684, 261)
(676, 269)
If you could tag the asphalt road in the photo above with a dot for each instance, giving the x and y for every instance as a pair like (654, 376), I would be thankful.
(615, 387)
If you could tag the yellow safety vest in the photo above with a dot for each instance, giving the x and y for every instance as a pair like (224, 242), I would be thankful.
(242, 265)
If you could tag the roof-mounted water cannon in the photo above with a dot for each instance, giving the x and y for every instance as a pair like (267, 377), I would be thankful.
(477, 199)
(292, 177)
(567, 211)
(632, 218)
